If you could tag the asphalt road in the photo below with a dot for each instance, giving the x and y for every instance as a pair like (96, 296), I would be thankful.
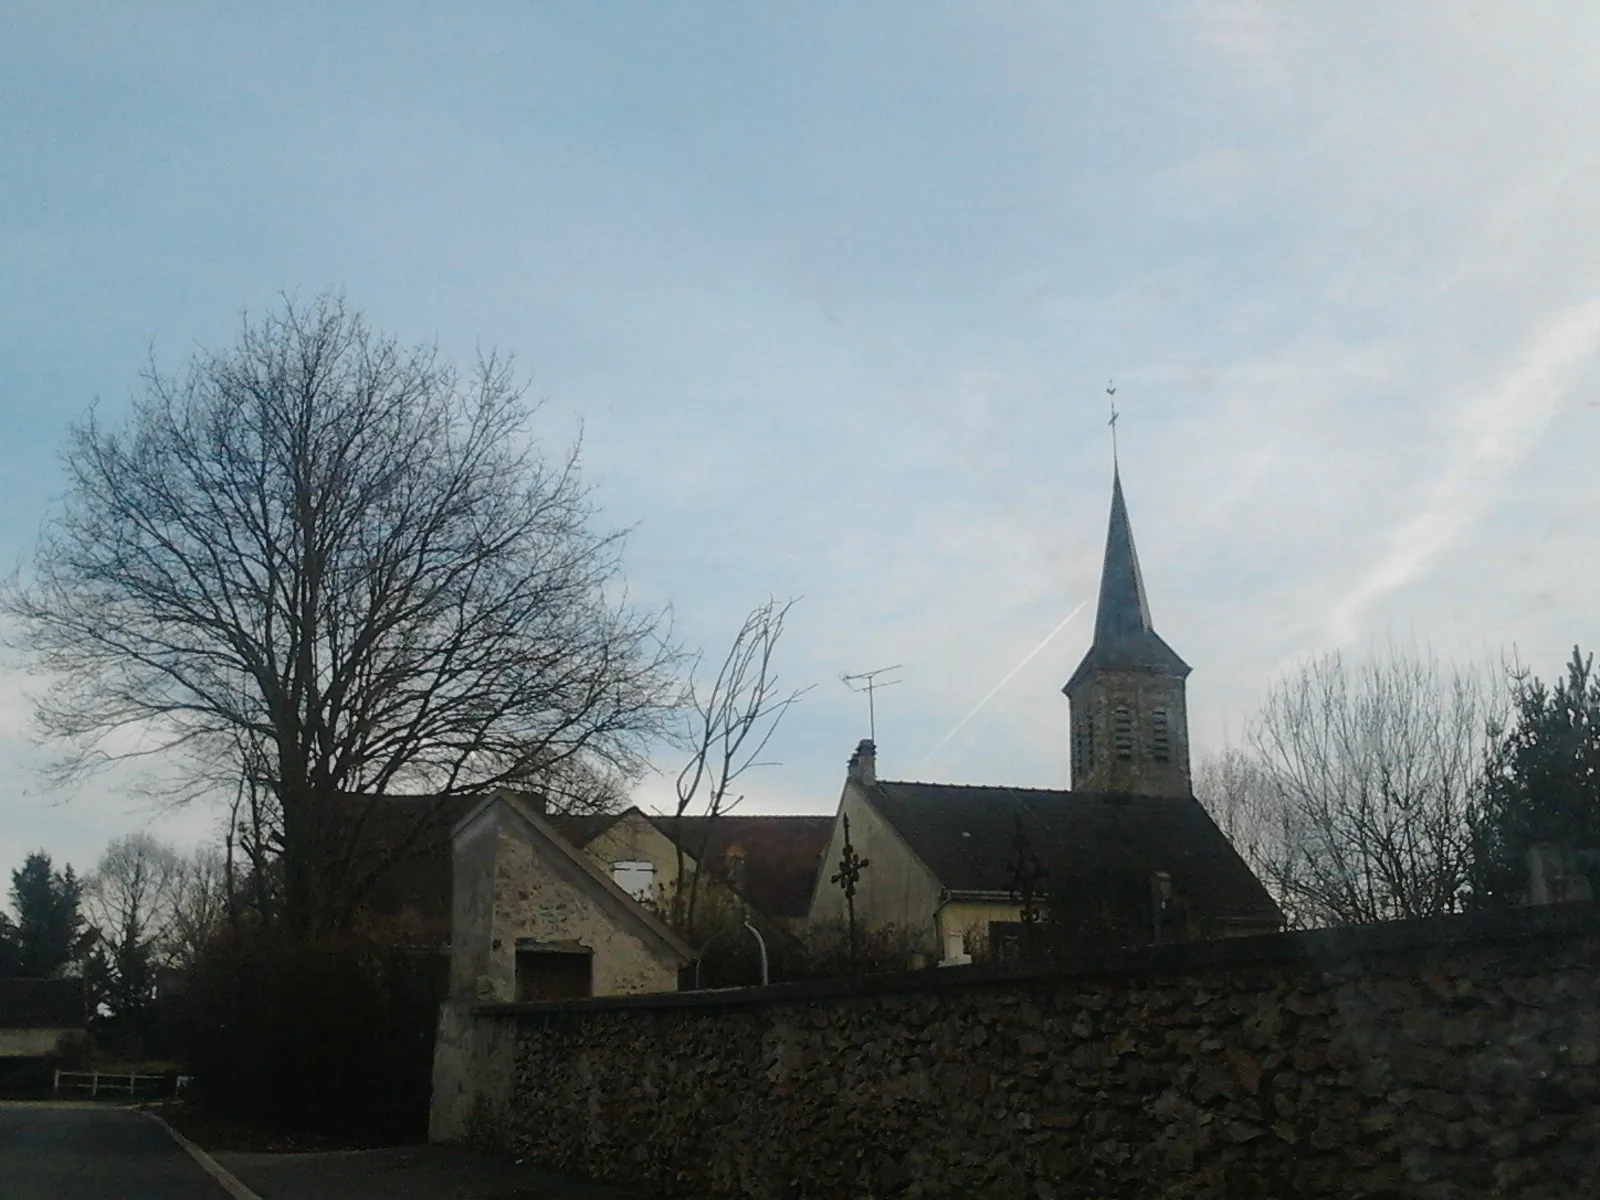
(91, 1152)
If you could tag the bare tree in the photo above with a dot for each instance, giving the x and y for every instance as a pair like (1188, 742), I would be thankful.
(199, 905)
(341, 569)
(1352, 802)
(1234, 788)
(730, 720)
(130, 900)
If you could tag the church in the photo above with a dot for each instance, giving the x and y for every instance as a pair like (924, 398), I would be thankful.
(1127, 856)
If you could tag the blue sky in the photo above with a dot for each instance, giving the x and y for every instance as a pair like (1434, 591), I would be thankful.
(833, 291)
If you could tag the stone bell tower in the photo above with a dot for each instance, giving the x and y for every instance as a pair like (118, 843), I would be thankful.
(1130, 727)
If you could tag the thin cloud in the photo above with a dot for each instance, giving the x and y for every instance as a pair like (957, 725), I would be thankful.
(1494, 434)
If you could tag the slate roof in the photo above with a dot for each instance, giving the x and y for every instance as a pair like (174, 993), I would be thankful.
(581, 830)
(1090, 843)
(43, 1004)
(780, 855)
(1124, 636)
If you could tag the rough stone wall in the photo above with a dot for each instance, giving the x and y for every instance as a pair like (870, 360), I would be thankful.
(538, 897)
(512, 884)
(1446, 1058)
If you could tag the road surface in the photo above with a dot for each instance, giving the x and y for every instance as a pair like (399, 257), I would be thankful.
(92, 1152)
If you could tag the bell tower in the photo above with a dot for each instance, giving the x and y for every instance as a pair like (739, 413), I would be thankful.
(1130, 727)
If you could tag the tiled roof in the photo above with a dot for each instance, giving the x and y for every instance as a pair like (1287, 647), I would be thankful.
(1089, 842)
(43, 1004)
(1124, 636)
(780, 855)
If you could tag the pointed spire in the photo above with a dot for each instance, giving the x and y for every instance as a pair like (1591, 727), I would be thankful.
(1124, 610)
(1124, 635)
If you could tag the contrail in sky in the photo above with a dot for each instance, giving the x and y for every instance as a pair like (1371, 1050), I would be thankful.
(994, 691)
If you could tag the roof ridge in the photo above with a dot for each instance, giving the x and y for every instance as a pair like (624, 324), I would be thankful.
(986, 787)
(743, 816)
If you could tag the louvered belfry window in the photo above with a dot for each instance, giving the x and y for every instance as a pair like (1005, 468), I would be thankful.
(1122, 731)
(1160, 737)
(1083, 751)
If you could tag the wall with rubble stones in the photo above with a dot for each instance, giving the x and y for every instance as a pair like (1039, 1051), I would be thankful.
(1446, 1058)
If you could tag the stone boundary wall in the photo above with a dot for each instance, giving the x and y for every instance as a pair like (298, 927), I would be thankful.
(1453, 1057)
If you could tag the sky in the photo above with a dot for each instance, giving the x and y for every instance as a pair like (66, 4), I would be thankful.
(833, 293)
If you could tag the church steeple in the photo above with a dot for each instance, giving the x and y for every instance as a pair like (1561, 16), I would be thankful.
(1129, 724)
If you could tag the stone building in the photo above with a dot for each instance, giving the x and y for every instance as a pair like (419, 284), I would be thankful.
(762, 866)
(535, 918)
(1126, 855)
(41, 1019)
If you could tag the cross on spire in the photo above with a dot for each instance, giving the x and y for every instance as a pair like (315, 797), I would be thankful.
(1111, 391)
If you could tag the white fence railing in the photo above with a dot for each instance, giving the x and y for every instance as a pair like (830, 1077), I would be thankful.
(95, 1084)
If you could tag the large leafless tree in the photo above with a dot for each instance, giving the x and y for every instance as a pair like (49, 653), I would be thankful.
(1352, 797)
(333, 566)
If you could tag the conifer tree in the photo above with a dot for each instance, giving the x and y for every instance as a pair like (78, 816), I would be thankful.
(1542, 782)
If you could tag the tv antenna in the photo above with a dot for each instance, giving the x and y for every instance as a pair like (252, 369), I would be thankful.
(867, 681)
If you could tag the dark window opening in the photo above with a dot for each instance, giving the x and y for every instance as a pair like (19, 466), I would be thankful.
(554, 974)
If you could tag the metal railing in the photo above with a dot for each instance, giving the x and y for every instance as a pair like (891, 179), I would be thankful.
(132, 1085)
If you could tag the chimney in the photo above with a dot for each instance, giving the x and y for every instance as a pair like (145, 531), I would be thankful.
(864, 764)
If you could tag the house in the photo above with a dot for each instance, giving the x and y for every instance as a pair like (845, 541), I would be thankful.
(764, 866)
(535, 918)
(766, 863)
(1127, 854)
(42, 1019)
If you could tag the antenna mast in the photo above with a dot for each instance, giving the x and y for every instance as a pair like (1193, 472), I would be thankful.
(868, 681)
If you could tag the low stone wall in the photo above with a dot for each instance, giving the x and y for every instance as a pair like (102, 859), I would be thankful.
(1446, 1058)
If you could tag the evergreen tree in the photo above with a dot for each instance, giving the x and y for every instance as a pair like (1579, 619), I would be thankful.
(50, 932)
(9, 950)
(1542, 782)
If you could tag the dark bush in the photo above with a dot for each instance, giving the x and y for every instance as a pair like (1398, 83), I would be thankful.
(328, 1037)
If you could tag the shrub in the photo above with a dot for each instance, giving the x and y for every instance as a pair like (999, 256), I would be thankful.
(330, 1037)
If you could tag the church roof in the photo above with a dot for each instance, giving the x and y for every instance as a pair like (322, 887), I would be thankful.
(1092, 843)
(1124, 636)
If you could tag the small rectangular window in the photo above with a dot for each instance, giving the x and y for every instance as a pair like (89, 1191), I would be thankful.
(554, 974)
(637, 878)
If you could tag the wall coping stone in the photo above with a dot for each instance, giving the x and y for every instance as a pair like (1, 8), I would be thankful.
(1327, 948)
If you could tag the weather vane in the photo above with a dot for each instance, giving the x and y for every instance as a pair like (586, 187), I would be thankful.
(869, 686)
(1111, 391)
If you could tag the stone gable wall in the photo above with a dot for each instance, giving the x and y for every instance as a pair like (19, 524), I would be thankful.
(1447, 1058)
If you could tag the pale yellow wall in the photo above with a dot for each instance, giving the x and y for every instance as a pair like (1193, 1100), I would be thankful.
(38, 1043)
(895, 890)
(970, 918)
(633, 838)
